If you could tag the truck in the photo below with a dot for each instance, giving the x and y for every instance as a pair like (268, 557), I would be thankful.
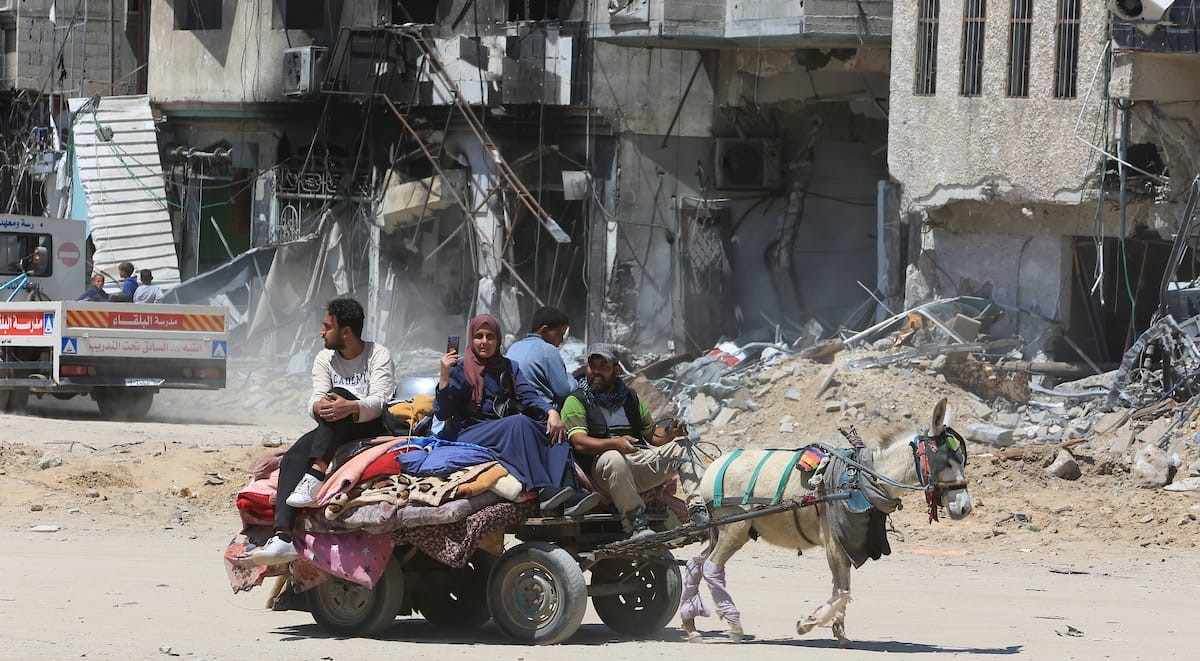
(119, 354)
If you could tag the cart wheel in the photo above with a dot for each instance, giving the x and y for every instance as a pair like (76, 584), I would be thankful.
(460, 603)
(346, 608)
(655, 587)
(537, 593)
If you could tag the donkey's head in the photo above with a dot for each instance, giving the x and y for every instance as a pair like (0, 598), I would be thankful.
(941, 457)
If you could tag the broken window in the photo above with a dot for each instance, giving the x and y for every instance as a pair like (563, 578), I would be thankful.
(535, 10)
(1066, 49)
(414, 11)
(927, 38)
(197, 14)
(302, 14)
(1020, 28)
(974, 16)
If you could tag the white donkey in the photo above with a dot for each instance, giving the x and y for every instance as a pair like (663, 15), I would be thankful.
(851, 531)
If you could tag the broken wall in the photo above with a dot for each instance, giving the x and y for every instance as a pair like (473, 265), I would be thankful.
(993, 146)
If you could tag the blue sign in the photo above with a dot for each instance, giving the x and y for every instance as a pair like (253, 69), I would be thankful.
(220, 349)
(48, 323)
(70, 346)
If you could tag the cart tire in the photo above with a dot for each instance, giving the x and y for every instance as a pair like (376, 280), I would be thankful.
(537, 594)
(462, 602)
(656, 589)
(124, 404)
(346, 609)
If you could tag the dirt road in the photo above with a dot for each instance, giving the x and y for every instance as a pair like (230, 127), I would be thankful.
(102, 591)
(136, 566)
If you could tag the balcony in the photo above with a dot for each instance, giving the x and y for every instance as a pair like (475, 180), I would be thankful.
(694, 24)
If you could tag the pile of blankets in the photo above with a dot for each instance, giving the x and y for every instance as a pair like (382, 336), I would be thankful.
(446, 498)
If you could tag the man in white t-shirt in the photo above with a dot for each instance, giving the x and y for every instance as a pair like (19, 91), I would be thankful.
(351, 381)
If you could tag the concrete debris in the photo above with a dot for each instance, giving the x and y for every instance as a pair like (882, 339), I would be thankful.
(992, 435)
(834, 406)
(1151, 468)
(724, 417)
(700, 411)
(787, 424)
(827, 379)
(45, 527)
(1064, 466)
(50, 461)
(1186, 484)
(92, 493)
(792, 395)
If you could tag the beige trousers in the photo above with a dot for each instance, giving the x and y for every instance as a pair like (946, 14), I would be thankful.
(624, 476)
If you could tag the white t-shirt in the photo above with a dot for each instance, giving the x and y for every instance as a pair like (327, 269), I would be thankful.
(368, 376)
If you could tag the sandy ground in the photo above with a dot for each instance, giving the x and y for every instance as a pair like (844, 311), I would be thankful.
(1091, 569)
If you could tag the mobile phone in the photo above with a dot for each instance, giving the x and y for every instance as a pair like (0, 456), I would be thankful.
(452, 343)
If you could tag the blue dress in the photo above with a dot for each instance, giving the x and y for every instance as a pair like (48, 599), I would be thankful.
(519, 439)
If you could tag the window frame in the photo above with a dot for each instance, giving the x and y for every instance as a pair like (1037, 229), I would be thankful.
(32, 240)
(925, 69)
(972, 48)
(1066, 49)
(1020, 51)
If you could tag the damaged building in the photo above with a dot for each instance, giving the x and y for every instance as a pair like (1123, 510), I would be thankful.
(1056, 174)
(668, 172)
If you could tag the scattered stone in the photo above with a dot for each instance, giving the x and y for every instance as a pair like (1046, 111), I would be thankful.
(1112, 420)
(792, 395)
(882, 344)
(50, 461)
(1186, 484)
(272, 440)
(1055, 430)
(781, 373)
(993, 435)
(1061, 509)
(1012, 420)
(939, 363)
(701, 410)
(827, 379)
(787, 424)
(1146, 519)
(1151, 467)
(36, 507)
(164, 649)
(45, 527)
(979, 408)
(1155, 431)
(72, 510)
(92, 493)
(834, 406)
(1075, 412)
(724, 417)
(1064, 466)
(1122, 441)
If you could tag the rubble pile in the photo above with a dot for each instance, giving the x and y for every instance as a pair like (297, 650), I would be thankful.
(1026, 434)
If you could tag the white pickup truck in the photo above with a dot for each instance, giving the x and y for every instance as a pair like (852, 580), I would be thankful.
(121, 354)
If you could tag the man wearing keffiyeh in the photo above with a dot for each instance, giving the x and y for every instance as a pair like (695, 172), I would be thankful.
(618, 444)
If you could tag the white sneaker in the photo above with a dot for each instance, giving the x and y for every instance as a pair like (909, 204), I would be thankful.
(274, 552)
(305, 493)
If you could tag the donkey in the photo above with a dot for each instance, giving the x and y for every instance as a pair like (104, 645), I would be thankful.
(851, 531)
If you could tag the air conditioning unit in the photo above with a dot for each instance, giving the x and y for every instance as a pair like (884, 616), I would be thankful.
(1143, 14)
(304, 69)
(753, 164)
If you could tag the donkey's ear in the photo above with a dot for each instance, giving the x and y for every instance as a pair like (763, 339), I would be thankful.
(939, 418)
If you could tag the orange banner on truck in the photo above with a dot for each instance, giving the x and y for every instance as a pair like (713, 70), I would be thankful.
(145, 320)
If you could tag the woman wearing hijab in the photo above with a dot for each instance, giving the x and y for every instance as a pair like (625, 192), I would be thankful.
(485, 400)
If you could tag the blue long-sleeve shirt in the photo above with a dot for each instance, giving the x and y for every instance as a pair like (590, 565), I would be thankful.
(453, 403)
(543, 367)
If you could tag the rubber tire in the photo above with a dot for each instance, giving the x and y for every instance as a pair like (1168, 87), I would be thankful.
(462, 604)
(349, 609)
(651, 607)
(537, 594)
(124, 404)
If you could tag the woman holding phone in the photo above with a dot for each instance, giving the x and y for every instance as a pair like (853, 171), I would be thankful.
(484, 400)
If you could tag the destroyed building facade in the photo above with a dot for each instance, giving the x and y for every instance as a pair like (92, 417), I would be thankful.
(1058, 166)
